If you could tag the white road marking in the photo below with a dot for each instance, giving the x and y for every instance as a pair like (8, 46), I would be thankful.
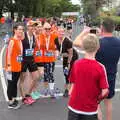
(58, 66)
(2, 77)
(117, 90)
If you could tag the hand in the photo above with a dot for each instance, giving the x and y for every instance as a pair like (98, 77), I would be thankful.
(98, 31)
(57, 54)
(41, 71)
(68, 66)
(86, 29)
(71, 88)
(78, 40)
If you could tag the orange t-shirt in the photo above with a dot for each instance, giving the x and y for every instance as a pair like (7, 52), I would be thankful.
(46, 46)
(39, 48)
(13, 53)
(54, 28)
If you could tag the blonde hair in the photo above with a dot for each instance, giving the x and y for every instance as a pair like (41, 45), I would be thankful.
(90, 43)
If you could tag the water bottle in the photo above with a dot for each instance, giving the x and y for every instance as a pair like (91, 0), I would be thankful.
(66, 70)
(6, 38)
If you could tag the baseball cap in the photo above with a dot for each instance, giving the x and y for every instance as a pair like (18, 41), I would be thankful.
(31, 23)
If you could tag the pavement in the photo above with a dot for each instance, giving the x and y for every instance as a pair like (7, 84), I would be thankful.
(47, 108)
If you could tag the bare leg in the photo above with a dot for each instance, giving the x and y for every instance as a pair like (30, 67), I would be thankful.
(41, 71)
(35, 77)
(99, 112)
(46, 85)
(21, 84)
(108, 105)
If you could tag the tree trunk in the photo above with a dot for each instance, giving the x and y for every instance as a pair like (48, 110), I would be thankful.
(0, 13)
(12, 14)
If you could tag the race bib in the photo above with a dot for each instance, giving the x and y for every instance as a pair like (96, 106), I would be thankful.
(9, 75)
(29, 52)
(49, 54)
(38, 53)
(19, 58)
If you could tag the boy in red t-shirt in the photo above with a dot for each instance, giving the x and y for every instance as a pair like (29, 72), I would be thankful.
(89, 83)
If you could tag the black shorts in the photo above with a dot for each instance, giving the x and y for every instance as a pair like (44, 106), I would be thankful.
(40, 64)
(69, 28)
(74, 116)
(111, 82)
(31, 66)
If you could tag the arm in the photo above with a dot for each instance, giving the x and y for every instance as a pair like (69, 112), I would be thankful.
(57, 52)
(9, 53)
(103, 85)
(71, 88)
(78, 40)
(103, 95)
(70, 55)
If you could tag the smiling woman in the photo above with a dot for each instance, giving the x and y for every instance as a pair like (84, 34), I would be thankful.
(13, 65)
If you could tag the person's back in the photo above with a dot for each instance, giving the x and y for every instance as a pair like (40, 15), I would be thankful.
(87, 85)
(109, 53)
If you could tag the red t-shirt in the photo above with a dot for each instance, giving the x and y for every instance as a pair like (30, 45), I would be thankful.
(89, 78)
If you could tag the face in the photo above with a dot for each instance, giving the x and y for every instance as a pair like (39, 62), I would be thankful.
(30, 28)
(40, 28)
(34, 30)
(61, 34)
(19, 32)
(47, 31)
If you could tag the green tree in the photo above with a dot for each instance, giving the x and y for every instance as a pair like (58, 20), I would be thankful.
(42, 8)
(1, 7)
(54, 7)
(91, 7)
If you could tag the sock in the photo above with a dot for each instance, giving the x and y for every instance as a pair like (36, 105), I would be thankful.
(51, 86)
(10, 102)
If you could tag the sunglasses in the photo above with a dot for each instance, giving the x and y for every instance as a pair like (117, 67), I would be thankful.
(47, 28)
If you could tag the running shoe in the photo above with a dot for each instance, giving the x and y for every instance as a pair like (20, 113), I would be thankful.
(45, 92)
(52, 93)
(14, 105)
(35, 95)
(57, 91)
(28, 100)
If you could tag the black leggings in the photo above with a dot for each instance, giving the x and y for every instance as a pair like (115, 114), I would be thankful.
(48, 72)
(12, 85)
(74, 116)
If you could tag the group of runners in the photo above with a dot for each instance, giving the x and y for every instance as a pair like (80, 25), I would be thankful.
(35, 50)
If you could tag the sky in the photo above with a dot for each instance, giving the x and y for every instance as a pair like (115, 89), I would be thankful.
(75, 1)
